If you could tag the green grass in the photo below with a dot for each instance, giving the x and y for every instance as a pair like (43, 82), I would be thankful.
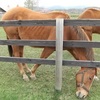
(74, 16)
(12, 86)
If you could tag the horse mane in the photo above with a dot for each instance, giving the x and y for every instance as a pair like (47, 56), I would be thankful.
(80, 33)
(83, 36)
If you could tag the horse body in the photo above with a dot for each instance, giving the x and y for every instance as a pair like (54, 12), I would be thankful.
(47, 33)
(91, 13)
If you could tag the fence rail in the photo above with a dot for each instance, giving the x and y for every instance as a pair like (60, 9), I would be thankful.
(49, 43)
(51, 62)
(71, 22)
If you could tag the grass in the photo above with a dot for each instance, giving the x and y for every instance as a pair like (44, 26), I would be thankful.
(12, 86)
(74, 16)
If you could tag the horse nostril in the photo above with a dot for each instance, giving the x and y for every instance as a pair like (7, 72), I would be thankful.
(79, 94)
(83, 96)
(90, 78)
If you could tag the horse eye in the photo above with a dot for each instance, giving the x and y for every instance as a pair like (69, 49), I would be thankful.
(90, 78)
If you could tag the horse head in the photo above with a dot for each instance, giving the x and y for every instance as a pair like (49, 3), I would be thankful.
(84, 79)
(85, 75)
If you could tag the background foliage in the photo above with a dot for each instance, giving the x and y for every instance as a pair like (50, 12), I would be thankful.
(31, 4)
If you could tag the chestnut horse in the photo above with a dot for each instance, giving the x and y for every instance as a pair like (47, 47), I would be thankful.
(91, 13)
(85, 75)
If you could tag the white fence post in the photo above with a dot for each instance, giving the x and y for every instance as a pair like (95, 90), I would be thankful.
(59, 52)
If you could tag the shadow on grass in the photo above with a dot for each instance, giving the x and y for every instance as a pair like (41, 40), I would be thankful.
(57, 95)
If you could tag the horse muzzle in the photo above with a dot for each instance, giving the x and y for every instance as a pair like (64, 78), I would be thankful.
(81, 93)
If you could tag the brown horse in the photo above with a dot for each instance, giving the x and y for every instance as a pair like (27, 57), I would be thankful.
(91, 13)
(84, 77)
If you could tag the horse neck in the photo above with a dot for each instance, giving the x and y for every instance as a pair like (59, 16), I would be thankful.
(80, 34)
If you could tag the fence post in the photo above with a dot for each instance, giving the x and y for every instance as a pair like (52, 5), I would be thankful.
(59, 52)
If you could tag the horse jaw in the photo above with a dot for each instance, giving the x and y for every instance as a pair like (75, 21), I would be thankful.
(81, 93)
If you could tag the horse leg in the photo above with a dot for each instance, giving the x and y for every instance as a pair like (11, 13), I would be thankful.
(45, 54)
(26, 68)
(24, 64)
(21, 55)
(18, 52)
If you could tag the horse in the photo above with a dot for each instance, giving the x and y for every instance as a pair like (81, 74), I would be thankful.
(85, 75)
(91, 13)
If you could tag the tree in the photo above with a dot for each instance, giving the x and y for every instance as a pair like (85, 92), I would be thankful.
(31, 4)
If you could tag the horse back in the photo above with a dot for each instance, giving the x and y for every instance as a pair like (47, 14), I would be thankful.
(91, 13)
(31, 32)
